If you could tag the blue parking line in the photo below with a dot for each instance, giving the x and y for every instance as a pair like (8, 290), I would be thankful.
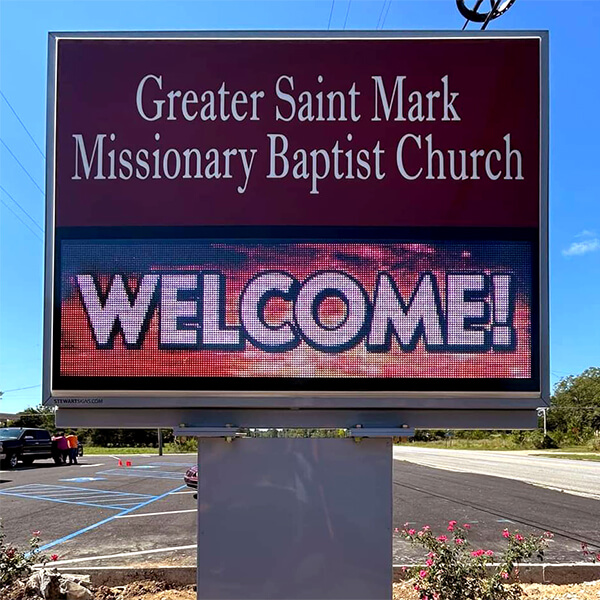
(63, 501)
(176, 475)
(107, 520)
(97, 498)
(67, 487)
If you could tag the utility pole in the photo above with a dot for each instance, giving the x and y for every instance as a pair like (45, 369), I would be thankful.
(542, 411)
(160, 442)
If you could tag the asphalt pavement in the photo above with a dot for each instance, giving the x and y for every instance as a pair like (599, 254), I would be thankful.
(98, 509)
(99, 514)
(427, 495)
(565, 475)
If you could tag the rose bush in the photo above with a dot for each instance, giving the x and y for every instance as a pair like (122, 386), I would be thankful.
(17, 564)
(454, 570)
(590, 554)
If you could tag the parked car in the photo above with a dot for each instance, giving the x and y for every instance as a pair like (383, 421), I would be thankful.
(25, 445)
(191, 477)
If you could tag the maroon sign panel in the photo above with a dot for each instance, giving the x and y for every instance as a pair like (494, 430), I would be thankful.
(296, 214)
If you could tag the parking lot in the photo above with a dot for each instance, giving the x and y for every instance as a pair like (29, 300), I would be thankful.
(99, 513)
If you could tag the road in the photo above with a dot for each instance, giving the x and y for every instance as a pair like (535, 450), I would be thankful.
(99, 514)
(572, 476)
(494, 490)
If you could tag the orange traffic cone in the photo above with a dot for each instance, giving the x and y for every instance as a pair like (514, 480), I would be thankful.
(120, 463)
(128, 463)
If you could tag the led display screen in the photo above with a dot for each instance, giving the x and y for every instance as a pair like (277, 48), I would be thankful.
(233, 216)
(241, 310)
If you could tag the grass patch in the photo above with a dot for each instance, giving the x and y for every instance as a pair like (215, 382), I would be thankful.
(101, 450)
(571, 456)
(169, 448)
(461, 444)
(498, 443)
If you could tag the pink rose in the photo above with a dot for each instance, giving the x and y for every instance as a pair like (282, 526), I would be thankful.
(411, 532)
(452, 523)
(35, 533)
(519, 537)
(396, 530)
(506, 533)
(489, 553)
(450, 527)
(429, 562)
(426, 528)
(459, 541)
(442, 538)
(467, 526)
(54, 557)
(422, 573)
(504, 575)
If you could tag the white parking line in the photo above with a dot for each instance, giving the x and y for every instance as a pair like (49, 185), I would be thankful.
(89, 466)
(122, 554)
(166, 512)
(188, 492)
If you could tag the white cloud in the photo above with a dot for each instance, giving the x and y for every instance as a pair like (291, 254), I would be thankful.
(579, 248)
(586, 233)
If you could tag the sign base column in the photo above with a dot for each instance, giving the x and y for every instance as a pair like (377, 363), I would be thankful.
(294, 518)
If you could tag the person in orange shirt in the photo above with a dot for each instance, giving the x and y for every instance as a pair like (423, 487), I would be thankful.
(73, 447)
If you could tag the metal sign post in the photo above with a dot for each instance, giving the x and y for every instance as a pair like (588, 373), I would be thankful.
(296, 517)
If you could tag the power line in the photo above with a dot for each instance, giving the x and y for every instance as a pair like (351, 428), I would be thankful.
(383, 6)
(32, 219)
(22, 124)
(347, 13)
(29, 387)
(22, 167)
(386, 14)
(18, 217)
(330, 14)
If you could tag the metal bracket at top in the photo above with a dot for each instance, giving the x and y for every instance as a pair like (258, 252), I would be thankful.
(380, 432)
(229, 432)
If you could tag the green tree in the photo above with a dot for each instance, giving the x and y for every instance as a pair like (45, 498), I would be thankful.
(575, 405)
(41, 416)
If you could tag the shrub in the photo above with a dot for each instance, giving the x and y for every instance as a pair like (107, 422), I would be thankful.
(182, 445)
(589, 554)
(16, 564)
(594, 443)
(543, 442)
(453, 570)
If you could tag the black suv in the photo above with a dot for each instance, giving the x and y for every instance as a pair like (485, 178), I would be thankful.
(25, 445)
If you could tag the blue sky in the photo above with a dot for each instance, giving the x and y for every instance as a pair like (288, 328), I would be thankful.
(574, 147)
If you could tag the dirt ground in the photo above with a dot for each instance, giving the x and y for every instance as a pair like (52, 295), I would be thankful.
(534, 591)
(401, 591)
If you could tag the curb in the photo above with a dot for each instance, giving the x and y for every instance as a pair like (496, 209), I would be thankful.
(114, 576)
(562, 573)
(559, 573)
